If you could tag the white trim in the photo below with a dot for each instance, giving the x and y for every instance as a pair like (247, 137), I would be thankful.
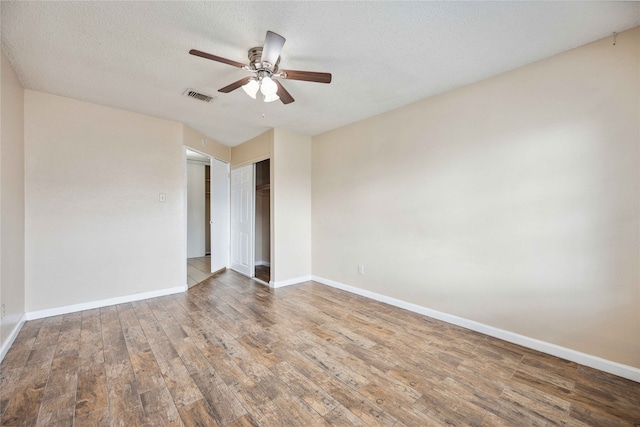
(290, 282)
(12, 336)
(265, 263)
(185, 217)
(103, 303)
(615, 368)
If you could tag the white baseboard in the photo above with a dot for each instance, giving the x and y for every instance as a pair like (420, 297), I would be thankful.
(289, 282)
(265, 263)
(12, 337)
(103, 303)
(625, 371)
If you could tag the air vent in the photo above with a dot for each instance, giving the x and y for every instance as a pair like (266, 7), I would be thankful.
(197, 95)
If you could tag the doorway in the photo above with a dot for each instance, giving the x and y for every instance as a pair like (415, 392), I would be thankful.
(207, 216)
(263, 222)
(251, 221)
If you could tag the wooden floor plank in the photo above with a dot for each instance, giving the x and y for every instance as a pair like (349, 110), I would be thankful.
(233, 353)
(63, 377)
(25, 401)
(223, 403)
(91, 393)
(198, 414)
(58, 411)
(159, 408)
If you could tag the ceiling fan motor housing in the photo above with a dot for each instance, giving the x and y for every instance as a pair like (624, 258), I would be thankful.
(255, 61)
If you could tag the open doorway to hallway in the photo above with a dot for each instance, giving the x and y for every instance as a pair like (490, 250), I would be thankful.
(198, 270)
(207, 212)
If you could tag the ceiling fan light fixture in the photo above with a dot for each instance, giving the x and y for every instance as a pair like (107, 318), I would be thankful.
(251, 88)
(263, 63)
(268, 87)
(271, 97)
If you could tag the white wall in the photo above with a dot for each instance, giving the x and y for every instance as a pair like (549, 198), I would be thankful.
(196, 210)
(95, 227)
(291, 207)
(11, 202)
(513, 202)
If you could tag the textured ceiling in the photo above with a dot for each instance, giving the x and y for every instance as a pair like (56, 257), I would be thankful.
(383, 55)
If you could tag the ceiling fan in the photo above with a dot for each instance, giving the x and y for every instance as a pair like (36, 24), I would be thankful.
(263, 62)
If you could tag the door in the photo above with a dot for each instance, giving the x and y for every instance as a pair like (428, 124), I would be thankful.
(242, 219)
(219, 214)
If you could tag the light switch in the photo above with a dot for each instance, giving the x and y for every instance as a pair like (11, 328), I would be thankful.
(163, 197)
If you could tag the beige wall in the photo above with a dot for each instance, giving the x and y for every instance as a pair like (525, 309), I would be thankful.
(11, 199)
(95, 228)
(202, 143)
(513, 202)
(291, 201)
(253, 150)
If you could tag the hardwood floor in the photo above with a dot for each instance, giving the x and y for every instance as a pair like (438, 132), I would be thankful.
(231, 352)
(263, 273)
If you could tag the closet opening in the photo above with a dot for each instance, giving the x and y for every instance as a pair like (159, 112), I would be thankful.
(262, 234)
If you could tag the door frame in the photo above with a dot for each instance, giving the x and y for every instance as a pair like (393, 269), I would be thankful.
(226, 184)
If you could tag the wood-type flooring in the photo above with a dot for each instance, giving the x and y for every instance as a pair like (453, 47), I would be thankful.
(263, 273)
(232, 352)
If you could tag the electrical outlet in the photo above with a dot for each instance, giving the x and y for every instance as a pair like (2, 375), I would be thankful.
(361, 270)
(2, 311)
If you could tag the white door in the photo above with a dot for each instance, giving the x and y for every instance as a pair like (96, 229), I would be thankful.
(219, 215)
(242, 219)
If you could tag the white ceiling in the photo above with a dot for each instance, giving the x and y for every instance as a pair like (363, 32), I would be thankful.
(383, 55)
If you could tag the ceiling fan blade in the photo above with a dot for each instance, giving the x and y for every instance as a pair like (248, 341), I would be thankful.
(215, 58)
(272, 47)
(307, 76)
(235, 85)
(284, 96)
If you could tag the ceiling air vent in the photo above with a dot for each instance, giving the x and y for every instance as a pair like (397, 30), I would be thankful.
(197, 95)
